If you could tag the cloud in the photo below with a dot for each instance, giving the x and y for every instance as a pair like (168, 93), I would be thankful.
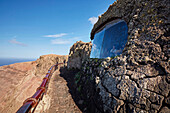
(75, 38)
(64, 41)
(93, 20)
(56, 35)
(60, 41)
(14, 41)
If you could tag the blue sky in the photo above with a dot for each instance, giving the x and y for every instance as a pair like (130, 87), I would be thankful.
(31, 28)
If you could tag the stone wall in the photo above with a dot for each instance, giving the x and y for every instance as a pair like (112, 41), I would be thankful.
(145, 18)
(79, 52)
(138, 80)
(116, 86)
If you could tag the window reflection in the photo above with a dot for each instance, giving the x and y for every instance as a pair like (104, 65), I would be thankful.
(97, 44)
(111, 41)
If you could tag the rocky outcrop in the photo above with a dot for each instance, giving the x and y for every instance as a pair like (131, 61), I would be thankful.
(79, 52)
(145, 18)
(20, 81)
(46, 61)
(138, 80)
(17, 83)
(120, 89)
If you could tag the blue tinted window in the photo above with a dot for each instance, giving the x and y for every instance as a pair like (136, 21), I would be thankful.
(110, 41)
(114, 40)
(97, 44)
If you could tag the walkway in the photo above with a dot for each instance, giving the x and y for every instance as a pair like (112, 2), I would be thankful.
(59, 98)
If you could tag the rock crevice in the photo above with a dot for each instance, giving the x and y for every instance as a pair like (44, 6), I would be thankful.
(138, 79)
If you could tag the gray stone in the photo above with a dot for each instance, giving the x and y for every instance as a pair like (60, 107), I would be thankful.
(110, 102)
(155, 84)
(110, 82)
(139, 77)
(165, 110)
(79, 52)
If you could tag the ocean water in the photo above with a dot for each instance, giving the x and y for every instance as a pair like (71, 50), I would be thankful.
(7, 61)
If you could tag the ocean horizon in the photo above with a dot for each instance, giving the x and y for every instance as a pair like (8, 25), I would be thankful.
(8, 61)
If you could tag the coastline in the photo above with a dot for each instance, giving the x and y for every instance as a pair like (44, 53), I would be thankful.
(8, 61)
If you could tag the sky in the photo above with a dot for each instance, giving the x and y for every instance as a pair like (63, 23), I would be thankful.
(31, 28)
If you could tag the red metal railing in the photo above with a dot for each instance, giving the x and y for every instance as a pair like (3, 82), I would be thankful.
(31, 103)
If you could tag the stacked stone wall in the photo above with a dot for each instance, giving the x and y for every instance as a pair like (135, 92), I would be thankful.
(138, 80)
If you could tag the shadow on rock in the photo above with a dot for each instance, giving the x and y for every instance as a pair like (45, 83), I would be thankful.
(69, 76)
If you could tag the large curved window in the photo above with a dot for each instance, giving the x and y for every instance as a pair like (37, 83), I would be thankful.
(110, 41)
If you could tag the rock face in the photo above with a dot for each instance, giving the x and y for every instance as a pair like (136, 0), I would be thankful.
(79, 52)
(20, 81)
(17, 83)
(138, 80)
(115, 87)
(46, 61)
(145, 18)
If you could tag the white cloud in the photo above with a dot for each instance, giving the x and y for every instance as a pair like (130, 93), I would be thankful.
(93, 20)
(60, 41)
(75, 38)
(14, 41)
(64, 41)
(56, 35)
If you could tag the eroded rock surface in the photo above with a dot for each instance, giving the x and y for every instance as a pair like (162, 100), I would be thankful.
(46, 61)
(138, 79)
(79, 52)
(19, 81)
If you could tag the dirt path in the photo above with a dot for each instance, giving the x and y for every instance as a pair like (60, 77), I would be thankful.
(59, 98)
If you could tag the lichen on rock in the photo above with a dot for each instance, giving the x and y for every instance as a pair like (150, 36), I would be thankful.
(79, 52)
(138, 80)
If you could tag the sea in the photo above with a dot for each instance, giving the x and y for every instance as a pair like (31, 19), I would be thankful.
(8, 61)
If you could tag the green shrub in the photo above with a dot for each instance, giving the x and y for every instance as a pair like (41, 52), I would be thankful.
(79, 89)
(77, 77)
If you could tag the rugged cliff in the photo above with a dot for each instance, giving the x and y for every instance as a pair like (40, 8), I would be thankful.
(46, 61)
(138, 80)
(20, 81)
(17, 83)
(79, 52)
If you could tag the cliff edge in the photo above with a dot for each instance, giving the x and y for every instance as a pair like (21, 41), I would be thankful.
(20, 80)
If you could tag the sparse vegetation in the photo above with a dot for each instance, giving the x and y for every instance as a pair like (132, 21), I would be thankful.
(77, 77)
(79, 88)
